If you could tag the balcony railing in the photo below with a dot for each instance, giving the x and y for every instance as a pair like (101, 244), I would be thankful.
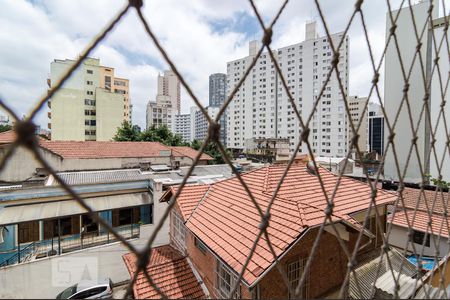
(69, 243)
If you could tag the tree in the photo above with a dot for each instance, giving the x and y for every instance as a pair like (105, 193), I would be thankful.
(163, 135)
(4, 128)
(212, 150)
(126, 133)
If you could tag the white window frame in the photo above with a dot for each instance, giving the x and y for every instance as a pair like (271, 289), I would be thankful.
(294, 271)
(225, 281)
(178, 230)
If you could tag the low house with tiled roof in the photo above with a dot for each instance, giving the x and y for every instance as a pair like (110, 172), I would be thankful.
(170, 271)
(92, 155)
(216, 225)
(426, 212)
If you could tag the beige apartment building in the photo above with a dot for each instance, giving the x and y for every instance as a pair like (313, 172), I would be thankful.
(356, 105)
(92, 103)
(167, 104)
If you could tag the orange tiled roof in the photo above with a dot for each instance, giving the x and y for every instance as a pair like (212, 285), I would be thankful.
(7, 137)
(105, 149)
(171, 273)
(420, 221)
(190, 152)
(95, 149)
(227, 221)
(428, 200)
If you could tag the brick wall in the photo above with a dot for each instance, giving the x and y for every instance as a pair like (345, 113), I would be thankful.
(327, 271)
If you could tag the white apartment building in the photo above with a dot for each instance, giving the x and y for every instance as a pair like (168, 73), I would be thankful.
(183, 126)
(201, 123)
(356, 106)
(91, 104)
(167, 104)
(261, 107)
(394, 85)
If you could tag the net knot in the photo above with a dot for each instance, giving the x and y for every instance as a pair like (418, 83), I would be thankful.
(329, 209)
(264, 221)
(26, 134)
(136, 3)
(214, 131)
(267, 39)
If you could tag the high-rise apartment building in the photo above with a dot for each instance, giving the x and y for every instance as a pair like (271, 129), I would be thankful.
(394, 92)
(201, 124)
(183, 127)
(91, 104)
(217, 96)
(261, 107)
(356, 106)
(217, 89)
(167, 104)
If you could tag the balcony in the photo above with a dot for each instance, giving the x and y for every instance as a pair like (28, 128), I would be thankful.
(64, 244)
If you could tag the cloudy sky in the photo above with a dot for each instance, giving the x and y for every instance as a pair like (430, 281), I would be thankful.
(199, 35)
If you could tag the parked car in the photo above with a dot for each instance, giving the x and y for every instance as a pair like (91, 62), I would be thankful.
(241, 156)
(88, 289)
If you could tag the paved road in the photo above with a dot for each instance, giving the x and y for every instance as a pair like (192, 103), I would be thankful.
(45, 278)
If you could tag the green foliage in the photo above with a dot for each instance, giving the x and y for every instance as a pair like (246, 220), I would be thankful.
(126, 133)
(163, 135)
(438, 182)
(212, 150)
(160, 134)
(4, 128)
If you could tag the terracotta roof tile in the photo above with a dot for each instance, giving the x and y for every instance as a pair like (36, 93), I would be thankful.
(171, 273)
(190, 152)
(427, 200)
(227, 221)
(107, 149)
(7, 137)
(419, 222)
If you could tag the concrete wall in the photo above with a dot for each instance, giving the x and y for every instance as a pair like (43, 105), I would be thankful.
(110, 108)
(67, 115)
(393, 87)
(22, 165)
(438, 84)
(399, 238)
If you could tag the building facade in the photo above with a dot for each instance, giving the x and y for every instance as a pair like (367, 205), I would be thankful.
(92, 103)
(261, 107)
(201, 124)
(183, 126)
(424, 159)
(217, 96)
(358, 115)
(376, 134)
(167, 104)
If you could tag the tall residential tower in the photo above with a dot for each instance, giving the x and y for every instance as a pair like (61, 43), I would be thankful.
(261, 107)
(217, 96)
(167, 104)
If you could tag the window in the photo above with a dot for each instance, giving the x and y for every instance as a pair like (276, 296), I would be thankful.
(178, 230)
(418, 238)
(225, 281)
(199, 244)
(90, 92)
(89, 72)
(89, 82)
(294, 273)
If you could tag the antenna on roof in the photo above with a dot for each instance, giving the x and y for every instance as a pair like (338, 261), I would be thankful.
(311, 168)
